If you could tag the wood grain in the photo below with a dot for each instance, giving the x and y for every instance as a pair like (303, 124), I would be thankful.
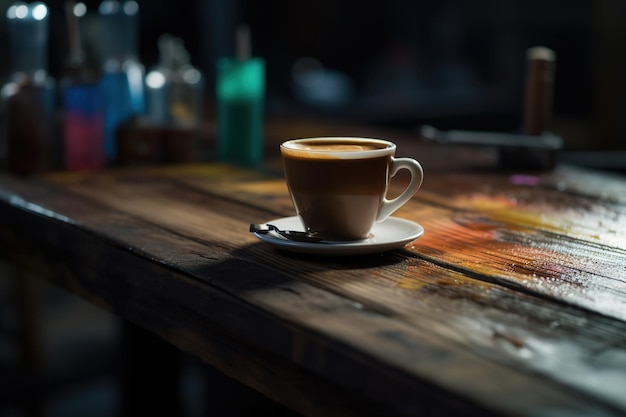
(512, 303)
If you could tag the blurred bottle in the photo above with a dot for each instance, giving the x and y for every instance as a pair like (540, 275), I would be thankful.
(28, 98)
(174, 98)
(240, 105)
(82, 101)
(174, 88)
(121, 80)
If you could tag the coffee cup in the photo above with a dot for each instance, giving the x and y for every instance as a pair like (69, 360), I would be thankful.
(339, 185)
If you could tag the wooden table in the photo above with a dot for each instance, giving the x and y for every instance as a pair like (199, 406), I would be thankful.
(513, 302)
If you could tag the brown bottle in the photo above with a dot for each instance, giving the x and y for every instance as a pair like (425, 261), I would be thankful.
(28, 98)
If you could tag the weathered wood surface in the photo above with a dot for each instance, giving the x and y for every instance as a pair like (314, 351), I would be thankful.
(512, 303)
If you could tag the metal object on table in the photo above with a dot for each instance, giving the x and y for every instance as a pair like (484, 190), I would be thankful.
(546, 141)
(516, 150)
(534, 147)
(295, 235)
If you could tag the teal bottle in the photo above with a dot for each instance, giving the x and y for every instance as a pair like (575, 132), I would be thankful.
(240, 94)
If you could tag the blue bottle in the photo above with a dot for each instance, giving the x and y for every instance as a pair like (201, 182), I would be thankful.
(121, 80)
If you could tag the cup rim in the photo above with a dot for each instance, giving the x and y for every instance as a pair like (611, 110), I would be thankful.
(369, 153)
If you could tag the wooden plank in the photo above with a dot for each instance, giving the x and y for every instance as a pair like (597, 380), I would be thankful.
(126, 290)
(515, 230)
(138, 302)
(144, 293)
(397, 287)
(568, 245)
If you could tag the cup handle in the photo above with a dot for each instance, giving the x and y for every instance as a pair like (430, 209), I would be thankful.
(417, 176)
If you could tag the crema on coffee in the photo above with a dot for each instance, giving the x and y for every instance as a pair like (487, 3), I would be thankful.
(334, 147)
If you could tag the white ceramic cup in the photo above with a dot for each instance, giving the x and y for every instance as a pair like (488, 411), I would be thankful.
(339, 185)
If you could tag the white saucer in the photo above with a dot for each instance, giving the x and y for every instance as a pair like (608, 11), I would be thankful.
(390, 234)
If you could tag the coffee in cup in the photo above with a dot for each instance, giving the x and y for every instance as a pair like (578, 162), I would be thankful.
(338, 185)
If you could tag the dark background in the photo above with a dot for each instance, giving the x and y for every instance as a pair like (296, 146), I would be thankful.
(453, 63)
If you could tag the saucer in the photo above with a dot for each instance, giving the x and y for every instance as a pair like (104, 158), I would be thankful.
(387, 235)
